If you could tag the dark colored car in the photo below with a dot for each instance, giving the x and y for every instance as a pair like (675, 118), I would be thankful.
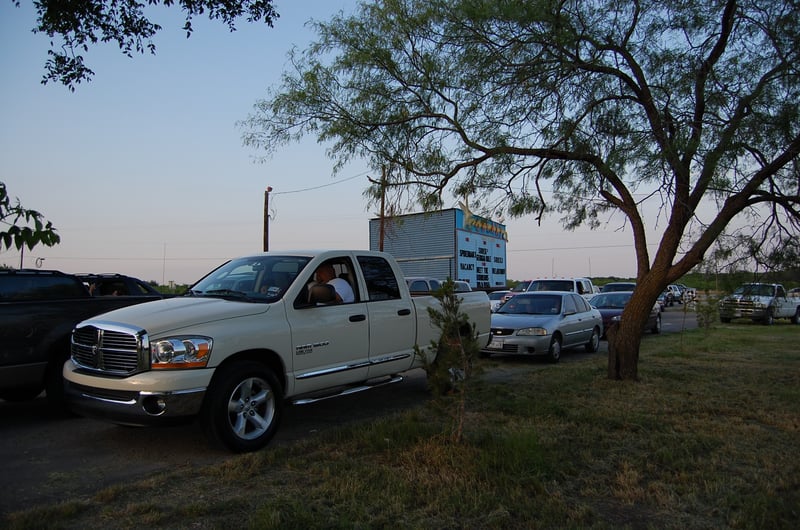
(617, 286)
(612, 304)
(117, 285)
(38, 310)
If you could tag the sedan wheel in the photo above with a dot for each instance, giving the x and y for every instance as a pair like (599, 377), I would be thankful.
(554, 352)
(594, 343)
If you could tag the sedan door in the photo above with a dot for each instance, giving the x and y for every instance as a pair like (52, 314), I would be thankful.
(577, 321)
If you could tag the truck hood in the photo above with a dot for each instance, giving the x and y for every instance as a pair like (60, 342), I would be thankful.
(172, 314)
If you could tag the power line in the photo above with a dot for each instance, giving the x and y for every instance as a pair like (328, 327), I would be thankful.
(340, 181)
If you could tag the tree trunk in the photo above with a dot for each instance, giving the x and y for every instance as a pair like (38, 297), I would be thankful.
(623, 353)
(625, 337)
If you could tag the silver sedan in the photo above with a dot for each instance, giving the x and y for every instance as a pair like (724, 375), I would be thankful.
(544, 323)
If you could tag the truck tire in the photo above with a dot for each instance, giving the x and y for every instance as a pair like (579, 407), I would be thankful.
(594, 342)
(769, 316)
(243, 407)
(796, 317)
(656, 329)
(554, 351)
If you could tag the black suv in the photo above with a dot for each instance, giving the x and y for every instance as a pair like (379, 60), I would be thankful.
(117, 285)
(38, 310)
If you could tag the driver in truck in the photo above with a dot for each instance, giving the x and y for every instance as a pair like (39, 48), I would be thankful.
(327, 275)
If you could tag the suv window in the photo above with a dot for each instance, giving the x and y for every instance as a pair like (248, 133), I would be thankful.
(35, 287)
(380, 278)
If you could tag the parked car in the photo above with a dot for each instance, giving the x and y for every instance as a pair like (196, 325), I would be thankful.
(521, 287)
(673, 294)
(612, 304)
(422, 285)
(617, 286)
(231, 356)
(761, 302)
(117, 285)
(461, 287)
(582, 286)
(544, 323)
(662, 300)
(496, 299)
(688, 294)
(38, 310)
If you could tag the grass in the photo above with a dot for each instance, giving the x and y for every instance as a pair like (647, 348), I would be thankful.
(708, 438)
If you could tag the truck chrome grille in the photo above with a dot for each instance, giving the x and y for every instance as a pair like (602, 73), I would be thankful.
(112, 350)
(745, 306)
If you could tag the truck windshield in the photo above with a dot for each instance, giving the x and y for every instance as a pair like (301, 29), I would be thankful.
(552, 285)
(260, 278)
(755, 289)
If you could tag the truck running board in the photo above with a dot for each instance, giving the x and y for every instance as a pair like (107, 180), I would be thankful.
(349, 390)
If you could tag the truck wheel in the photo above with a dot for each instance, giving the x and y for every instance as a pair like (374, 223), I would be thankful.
(554, 352)
(243, 407)
(796, 317)
(769, 317)
(594, 342)
(656, 329)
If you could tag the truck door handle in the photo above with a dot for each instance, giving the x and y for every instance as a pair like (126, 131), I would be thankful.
(358, 318)
(404, 312)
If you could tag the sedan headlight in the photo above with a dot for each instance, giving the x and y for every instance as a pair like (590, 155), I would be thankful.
(180, 352)
(616, 318)
(540, 332)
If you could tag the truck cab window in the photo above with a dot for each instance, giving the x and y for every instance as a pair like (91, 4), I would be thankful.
(380, 278)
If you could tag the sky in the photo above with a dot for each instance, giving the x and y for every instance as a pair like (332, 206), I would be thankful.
(143, 171)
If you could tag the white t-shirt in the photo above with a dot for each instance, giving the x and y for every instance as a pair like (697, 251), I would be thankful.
(343, 289)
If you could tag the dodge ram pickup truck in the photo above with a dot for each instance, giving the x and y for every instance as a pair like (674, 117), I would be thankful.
(38, 310)
(253, 333)
(760, 302)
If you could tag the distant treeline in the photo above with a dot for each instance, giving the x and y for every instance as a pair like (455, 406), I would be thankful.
(723, 282)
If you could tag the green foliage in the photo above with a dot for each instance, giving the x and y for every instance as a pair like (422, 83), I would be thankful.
(706, 307)
(566, 108)
(17, 218)
(452, 369)
(81, 24)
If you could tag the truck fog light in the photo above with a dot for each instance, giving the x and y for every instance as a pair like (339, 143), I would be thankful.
(154, 405)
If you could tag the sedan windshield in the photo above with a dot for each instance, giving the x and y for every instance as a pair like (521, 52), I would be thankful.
(613, 300)
(252, 279)
(532, 305)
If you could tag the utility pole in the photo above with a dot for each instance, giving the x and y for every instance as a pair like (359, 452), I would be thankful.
(266, 218)
(383, 211)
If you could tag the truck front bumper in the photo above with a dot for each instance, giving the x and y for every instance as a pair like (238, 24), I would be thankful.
(129, 407)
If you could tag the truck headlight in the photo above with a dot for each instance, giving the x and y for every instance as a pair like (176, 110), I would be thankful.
(540, 332)
(180, 352)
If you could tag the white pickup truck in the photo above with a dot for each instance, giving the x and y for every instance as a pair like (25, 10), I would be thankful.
(251, 334)
(760, 302)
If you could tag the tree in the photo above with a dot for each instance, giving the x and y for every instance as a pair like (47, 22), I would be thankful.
(16, 218)
(81, 24)
(691, 102)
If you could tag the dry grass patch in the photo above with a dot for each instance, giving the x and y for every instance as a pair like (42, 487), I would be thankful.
(707, 439)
